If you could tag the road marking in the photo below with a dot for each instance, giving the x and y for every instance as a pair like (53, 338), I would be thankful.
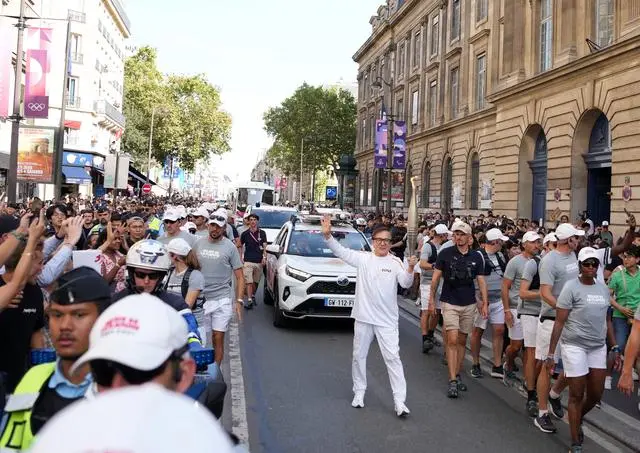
(239, 425)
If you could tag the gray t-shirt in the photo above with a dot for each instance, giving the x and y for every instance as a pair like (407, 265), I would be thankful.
(190, 238)
(493, 277)
(196, 282)
(586, 325)
(217, 260)
(202, 233)
(425, 254)
(514, 270)
(557, 269)
(529, 306)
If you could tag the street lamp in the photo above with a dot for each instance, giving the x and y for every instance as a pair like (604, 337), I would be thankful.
(378, 83)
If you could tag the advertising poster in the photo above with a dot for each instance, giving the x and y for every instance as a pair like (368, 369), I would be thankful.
(399, 144)
(485, 195)
(380, 150)
(397, 185)
(457, 196)
(36, 154)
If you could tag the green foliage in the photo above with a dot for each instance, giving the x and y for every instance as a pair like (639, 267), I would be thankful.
(188, 120)
(325, 119)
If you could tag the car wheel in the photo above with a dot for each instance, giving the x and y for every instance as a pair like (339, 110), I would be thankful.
(278, 316)
(267, 298)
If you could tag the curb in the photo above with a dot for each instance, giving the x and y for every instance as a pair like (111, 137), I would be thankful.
(607, 419)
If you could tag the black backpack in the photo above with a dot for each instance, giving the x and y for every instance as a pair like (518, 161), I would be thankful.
(502, 262)
(433, 255)
(184, 289)
(535, 281)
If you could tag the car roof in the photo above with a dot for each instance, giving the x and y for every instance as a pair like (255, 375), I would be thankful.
(273, 208)
(301, 225)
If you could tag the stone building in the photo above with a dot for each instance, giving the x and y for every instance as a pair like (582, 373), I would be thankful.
(526, 107)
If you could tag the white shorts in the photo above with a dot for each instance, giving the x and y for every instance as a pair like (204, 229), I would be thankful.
(425, 291)
(529, 330)
(515, 332)
(577, 361)
(543, 340)
(496, 316)
(217, 315)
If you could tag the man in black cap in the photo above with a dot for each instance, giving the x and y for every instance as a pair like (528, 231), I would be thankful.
(81, 295)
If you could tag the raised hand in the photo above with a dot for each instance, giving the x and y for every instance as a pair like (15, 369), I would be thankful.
(74, 229)
(37, 227)
(326, 226)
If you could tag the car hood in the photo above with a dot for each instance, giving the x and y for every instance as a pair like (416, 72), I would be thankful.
(321, 266)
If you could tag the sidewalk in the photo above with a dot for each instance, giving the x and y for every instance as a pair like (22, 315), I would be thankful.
(618, 417)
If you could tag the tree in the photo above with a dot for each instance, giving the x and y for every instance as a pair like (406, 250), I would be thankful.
(325, 119)
(188, 121)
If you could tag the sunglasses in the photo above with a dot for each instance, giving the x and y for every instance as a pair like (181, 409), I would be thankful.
(103, 372)
(218, 218)
(591, 264)
(151, 275)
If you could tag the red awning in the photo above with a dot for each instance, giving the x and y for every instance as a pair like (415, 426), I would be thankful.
(72, 124)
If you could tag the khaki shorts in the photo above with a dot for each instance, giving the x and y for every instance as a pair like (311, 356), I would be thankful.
(458, 318)
(252, 272)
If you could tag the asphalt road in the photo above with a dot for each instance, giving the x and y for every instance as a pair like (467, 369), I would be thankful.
(297, 384)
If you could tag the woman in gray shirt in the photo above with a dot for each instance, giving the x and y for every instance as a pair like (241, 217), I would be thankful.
(581, 325)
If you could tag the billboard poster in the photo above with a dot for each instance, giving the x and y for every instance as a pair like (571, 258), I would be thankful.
(380, 151)
(485, 195)
(399, 144)
(36, 154)
(397, 185)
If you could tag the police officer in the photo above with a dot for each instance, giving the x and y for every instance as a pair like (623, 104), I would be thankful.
(81, 295)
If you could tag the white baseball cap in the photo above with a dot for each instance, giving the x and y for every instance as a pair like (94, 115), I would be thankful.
(139, 331)
(201, 212)
(171, 215)
(566, 230)
(179, 247)
(134, 419)
(550, 237)
(219, 217)
(529, 236)
(605, 223)
(461, 226)
(189, 225)
(441, 229)
(495, 234)
(588, 253)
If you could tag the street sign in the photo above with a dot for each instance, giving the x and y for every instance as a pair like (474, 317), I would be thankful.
(331, 192)
(146, 189)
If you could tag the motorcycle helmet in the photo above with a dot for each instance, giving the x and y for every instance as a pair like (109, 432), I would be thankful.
(150, 255)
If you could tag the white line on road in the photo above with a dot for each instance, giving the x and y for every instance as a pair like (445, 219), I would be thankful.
(239, 425)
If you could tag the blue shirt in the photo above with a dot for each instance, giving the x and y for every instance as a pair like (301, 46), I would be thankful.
(67, 389)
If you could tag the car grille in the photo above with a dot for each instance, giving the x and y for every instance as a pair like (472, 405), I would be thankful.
(331, 288)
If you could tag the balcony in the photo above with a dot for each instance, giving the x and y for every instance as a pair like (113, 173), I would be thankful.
(76, 57)
(72, 140)
(77, 16)
(73, 102)
(112, 116)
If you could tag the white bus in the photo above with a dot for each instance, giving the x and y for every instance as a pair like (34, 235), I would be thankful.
(250, 193)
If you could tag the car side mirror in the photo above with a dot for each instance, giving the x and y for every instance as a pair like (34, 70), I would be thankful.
(274, 249)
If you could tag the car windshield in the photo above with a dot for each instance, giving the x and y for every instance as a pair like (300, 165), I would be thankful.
(311, 243)
(272, 219)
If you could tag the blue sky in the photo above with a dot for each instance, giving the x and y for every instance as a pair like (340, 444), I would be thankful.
(256, 51)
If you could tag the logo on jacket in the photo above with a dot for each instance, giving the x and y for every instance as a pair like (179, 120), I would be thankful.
(343, 280)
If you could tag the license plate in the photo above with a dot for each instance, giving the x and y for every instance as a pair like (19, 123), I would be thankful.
(335, 302)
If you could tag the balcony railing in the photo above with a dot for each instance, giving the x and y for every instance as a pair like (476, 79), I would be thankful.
(105, 108)
(77, 16)
(73, 102)
(76, 57)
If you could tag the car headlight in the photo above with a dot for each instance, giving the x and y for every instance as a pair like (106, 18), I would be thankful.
(297, 274)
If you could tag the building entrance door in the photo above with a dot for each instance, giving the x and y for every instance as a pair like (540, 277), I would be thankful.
(539, 178)
(598, 160)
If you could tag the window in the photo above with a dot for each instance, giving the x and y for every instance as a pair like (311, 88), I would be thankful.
(474, 180)
(455, 20)
(400, 109)
(426, 183)
(414, 107)
(481, 80)
(365, 93)
(417, 43)
(365, 200)
(481, 10)
(435, 35)
(72, 90)
(433, 102)
(453, 85)
(604, 22)
(546, 34)
(400, 60)
(363, 133)
(372, 129)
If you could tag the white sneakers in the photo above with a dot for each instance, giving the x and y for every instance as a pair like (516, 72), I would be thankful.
(401, 409)
(358, 401)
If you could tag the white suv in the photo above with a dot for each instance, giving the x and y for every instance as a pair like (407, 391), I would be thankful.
(304, 278)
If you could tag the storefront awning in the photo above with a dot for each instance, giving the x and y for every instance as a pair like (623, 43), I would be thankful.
(72, 124)
(139, 176)
(75, 175)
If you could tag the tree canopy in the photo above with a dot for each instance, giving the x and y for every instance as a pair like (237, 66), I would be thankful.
(188, 120)
(325, 119)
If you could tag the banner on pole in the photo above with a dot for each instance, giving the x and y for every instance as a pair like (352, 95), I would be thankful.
(36, 99)
(36, 154)
(399, 144)
(5, 69)
(381, 144)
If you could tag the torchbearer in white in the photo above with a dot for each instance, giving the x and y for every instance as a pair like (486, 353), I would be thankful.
(375, 310)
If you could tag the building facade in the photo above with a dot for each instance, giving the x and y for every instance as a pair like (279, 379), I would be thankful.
(93, 93)
(525, 107)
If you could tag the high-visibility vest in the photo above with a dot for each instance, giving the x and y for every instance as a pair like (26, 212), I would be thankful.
(155, 224)
(17, 433)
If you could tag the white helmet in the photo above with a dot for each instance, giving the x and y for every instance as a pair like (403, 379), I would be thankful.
(149, 254)
(361, 222)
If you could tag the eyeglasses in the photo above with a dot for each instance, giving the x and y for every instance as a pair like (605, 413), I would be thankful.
(382, 240)
(591, 264)
(103, 372)
(151, 275)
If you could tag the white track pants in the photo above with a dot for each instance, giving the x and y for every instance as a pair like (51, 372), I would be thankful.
(388, 342)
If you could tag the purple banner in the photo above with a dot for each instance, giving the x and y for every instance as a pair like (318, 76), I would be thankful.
(380, 152)
(36, 101)
(5, 69)
(399, 144)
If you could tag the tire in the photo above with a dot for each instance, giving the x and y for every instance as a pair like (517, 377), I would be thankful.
(267, 298)
(279, 319)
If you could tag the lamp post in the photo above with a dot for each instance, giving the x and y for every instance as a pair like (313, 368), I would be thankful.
(378, 83)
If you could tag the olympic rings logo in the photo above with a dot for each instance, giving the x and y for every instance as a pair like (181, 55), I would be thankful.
(36, 107)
